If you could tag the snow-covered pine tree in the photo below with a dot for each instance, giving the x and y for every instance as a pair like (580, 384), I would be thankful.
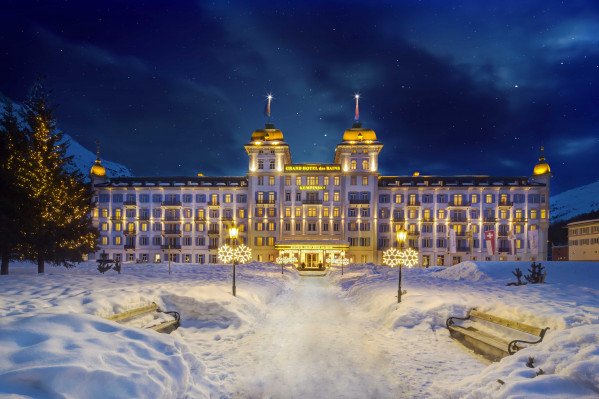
(13, 206)
(59, 230)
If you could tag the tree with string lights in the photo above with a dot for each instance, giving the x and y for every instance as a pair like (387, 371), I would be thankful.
(13, 200)
(58, 229)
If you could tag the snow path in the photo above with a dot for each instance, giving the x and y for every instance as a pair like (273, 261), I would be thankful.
(314, 343)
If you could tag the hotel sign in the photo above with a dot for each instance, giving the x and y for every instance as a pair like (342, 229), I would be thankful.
(307, 168)
(312, 188)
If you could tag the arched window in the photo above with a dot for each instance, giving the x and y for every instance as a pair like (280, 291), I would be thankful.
(352, 164)
(365, 165)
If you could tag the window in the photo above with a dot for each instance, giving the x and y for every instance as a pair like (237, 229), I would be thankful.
(117, 198)
(365, 165)
(260, 180)
(335, 212)
(364, 180)
(489, 198)
(365, 212)
(288, 180)
(352, 164)
(352, 212)
(336, 196)
(287, 196)
(298, 180)
(117, 240)
(298, 226)
(298, 212)
(156, 198)
(543, 213)
(325, 226)
(260, 164)
(533, 213)
(271, 180)
(187, 198)
(335, 226)
(336, 180)
(298, 196)
(201, 198)
(326, 181)
(145, 198)
(325, 212)
(474, 198)
(103, 240)
(353, 180)
(288, 212)
(311, 226)
(287, 226)
(325, 196)
(312, 181)
(441, 213)
(312, 212)
(271, 164)
(228, 198)
(398, 198)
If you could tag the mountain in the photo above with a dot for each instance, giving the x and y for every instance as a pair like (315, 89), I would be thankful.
(574, 202)
(83, 159)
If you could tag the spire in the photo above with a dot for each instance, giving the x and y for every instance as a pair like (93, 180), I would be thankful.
(542, 156)
(98, 150)
(357, 114)
(269, 98)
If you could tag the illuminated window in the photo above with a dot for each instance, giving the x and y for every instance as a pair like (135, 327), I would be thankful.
(398, 198)
(260, 197)
(131, 227)
(365, 165)
(503, 214)
(271, 198)
(103, 240)
(325, 196)
(118, 226)
(312, 212)
(117, 213)
(187, 227)
(518, 229)
(533, 213)
(272, 212)
(474, 198)
(352, 164)
(518, 244)
(503, 198)
(457, 199)
(441, 214)
(104, 212)
(326, 181)
(288, 180)
(335, 213)
(488, 198)
(228, 198)
(518, 214)
(144, 226)
(271, 180)
(336, 180)
(336, 196)
(312, 181)
(259, 212)
(412, 214)
(325, 212)
(543, 214)
(271, 226)
(474, 229)
(118, 240)
(288, 212)
(298, 181)
(298, 212)
(364, 180)
(104, 226)
(426, 214)
(413, 200)
(259, 226)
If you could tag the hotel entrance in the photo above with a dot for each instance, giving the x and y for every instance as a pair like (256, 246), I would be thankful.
(312, 259)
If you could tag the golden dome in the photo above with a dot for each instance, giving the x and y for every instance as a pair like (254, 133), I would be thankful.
(542, 167)
(97, 169)
(358, 133)
(416, 174)
(269, 133)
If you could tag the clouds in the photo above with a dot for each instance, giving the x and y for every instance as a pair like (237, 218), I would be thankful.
(183, 83)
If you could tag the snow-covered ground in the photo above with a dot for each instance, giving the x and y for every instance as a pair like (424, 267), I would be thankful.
(574, 202)
(290, 336)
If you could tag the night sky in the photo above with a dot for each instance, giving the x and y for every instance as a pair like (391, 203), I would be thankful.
(450, 87)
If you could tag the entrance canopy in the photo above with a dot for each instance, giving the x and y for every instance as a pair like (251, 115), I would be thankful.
(312, 253)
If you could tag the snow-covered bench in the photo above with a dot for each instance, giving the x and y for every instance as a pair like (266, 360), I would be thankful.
(163, 326)
(493, 336)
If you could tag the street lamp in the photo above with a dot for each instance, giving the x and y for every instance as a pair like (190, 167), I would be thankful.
(233, 233)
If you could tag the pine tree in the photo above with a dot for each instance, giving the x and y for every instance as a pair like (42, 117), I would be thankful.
(13, 207)
(59, 230)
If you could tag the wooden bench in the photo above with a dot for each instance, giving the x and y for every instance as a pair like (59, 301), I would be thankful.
(493, 347)
(165, 327)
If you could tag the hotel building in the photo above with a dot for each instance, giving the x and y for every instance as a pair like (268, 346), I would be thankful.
(583, 240)
(316, 210)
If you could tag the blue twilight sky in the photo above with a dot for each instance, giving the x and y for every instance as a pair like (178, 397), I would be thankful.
(450, 87)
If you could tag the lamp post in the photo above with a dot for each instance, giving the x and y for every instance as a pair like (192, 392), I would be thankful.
(233, 233)
(401, 238)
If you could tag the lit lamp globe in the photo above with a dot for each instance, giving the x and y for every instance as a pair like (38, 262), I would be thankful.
(402, 235)
(233, 232)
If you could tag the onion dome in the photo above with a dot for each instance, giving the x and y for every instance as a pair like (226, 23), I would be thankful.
(268, 134)
(358, 133)
(542, 167)
(97, 169)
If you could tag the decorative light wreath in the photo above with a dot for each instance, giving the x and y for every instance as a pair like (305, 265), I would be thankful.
(226, 254)
(392, 257)
(242, 254)
(409, 257)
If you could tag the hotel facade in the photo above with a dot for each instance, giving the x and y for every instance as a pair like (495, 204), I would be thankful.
(317, 210)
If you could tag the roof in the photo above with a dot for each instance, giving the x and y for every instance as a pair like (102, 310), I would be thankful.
(459, 181)
(176, 181)
(583, 222)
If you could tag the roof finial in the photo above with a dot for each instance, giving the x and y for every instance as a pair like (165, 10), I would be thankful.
(269, 98)
(357, 115)
(542, 157)
(98, 149)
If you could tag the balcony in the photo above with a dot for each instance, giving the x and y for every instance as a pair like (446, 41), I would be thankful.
(143, 217)
(171, 203)
(227, 218)
(129, 247)
(504, 250)
(505, 203)
(129, 204)
(502, 234)
(458, 219)
(213, 232)
(213, 203)
(116, 218)
(490, 219)
(399, 219)
(171, 219)
(212, 246)
(130, 232)
(359, 201)
(462, 249)
(413, 203)
(460, 204)
(265, 202)
(519, 220)
(312, 201)
(428, 220)
(200, 219)
(171, 246)
(171, 232)
(413, 233)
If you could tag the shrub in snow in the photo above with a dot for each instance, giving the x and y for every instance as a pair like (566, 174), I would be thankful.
(537, 274)
(518, 274)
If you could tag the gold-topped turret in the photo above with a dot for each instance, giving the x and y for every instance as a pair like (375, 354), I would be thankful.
(359, 134)
(97, 169)
(268, 134)
(542, 167)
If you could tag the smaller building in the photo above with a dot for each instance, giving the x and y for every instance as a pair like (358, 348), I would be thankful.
(559, 252)
(583, 240)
